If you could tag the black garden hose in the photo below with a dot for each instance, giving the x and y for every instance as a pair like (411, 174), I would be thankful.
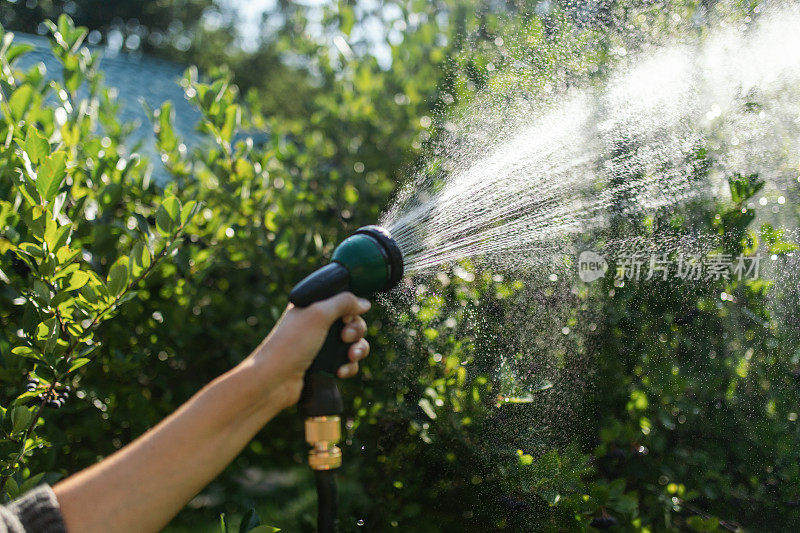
(327, 501)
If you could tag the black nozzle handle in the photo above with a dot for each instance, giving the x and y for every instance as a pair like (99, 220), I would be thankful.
(321, 284)
(320, 396)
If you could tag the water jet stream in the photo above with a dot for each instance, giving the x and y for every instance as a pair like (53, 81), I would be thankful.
(626, 148)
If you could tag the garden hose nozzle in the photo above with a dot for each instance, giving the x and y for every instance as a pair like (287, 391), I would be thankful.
(367, 262)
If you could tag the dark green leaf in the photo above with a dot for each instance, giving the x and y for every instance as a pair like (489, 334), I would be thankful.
(31, 482)
(21, 416)
(118, 277)
(168, 216)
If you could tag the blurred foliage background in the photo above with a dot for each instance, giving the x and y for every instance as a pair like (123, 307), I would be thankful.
(668, 409)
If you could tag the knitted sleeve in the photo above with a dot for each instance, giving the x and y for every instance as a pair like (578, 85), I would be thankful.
(37, 511)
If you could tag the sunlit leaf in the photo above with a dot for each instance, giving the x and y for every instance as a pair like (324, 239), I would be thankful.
(20, 101)
(77, 363)
(50, 175)
(36, 146)
(139, 259)
(77, 280)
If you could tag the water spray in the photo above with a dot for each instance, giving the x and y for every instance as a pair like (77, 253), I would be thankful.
(367, 262)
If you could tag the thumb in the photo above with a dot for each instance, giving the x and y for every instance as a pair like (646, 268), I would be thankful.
(343, 304)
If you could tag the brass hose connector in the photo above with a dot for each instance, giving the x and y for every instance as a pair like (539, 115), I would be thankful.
(323, 433)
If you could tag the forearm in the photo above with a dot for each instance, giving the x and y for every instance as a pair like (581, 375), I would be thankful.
(141, 487)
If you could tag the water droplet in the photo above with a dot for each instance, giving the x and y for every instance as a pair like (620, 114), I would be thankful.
(360, 522)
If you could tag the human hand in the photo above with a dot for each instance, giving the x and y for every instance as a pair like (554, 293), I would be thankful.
(294, 342)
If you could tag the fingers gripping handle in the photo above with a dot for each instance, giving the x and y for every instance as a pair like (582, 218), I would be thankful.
(320, 396)
(333, 353)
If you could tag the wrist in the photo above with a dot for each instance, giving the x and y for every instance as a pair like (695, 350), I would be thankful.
(271, 378)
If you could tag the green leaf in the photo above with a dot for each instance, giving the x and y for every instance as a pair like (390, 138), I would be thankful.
(188, 211)
(118, 277)
(744, 187)
(42, 291)
(51, 325)
(71, 36)
(168, 216)
(783, 248)
(232, 117)
(36, 220)
(73, 77)
(77, 280)
(36, 146)
(21, 416)
(91, 294)
(139, 260)
(56, 236)
(50, 175)
(20, 101)
(31, 482)
(65, 26)
(165, 133)
(12, 488)
(26, 351)
(263, 529)
(77, 363)
(128, 296)
(66, 255)
(62, 298)
(16, 51)
(30, 318)
(347, 18)
(141, 224)
(25, 396)
(31, 249)
(173, 208)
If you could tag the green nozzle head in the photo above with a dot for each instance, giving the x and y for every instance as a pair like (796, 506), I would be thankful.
(367, 262)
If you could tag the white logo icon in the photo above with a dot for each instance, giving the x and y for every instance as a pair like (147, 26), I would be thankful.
(591, 266)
